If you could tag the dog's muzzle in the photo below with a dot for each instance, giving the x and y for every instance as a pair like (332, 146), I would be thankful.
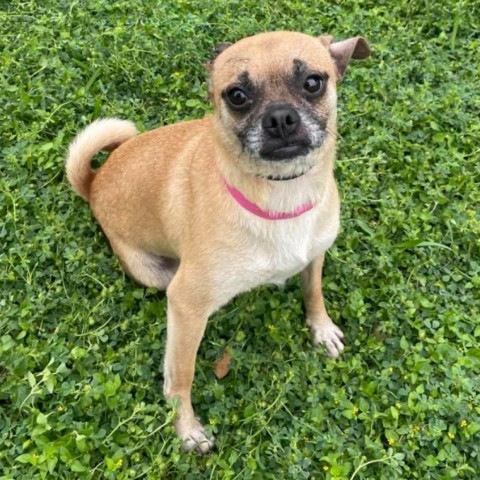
(284, 135)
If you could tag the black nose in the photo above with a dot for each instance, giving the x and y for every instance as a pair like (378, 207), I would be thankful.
(280, 121)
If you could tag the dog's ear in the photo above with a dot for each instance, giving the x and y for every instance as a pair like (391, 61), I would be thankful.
(209, 65)
(342, 52)
(221, 47)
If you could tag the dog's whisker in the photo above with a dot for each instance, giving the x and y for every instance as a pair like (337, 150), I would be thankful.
(334, 133)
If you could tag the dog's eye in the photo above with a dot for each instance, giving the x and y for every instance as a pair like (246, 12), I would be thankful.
(237, 98)
(313, 84)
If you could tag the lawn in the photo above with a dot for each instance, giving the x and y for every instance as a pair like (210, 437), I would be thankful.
(81, 345)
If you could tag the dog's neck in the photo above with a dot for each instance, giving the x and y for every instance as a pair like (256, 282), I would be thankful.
(279, 196)
(266, 214)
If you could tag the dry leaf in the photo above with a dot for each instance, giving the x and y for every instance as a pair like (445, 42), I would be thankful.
(222, 366)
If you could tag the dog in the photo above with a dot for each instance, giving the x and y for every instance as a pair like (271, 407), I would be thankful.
(210, 208)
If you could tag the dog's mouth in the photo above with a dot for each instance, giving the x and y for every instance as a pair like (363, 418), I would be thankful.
(285, 152)
(288, 161)
(283, 178)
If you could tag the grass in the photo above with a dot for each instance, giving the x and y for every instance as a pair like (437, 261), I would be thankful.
(81, 346)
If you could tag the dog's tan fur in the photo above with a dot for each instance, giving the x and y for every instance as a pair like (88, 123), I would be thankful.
(161, 198)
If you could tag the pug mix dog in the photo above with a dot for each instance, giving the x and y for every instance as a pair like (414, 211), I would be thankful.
(210, 208)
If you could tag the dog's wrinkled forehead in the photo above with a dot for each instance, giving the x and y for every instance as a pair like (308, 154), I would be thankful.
(270, 56)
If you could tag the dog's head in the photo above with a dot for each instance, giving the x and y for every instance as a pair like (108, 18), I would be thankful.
(275, 99)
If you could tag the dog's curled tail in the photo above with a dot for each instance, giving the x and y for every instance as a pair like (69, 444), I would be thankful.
(103, 134)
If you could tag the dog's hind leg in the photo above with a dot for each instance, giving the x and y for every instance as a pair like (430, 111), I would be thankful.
(145, 268)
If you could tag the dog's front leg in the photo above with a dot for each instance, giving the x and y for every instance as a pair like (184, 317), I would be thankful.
(188, 311)
(323, 329)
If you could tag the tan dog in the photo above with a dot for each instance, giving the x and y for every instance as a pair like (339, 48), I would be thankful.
(211, 208)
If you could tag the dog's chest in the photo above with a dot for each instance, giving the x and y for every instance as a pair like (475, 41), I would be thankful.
(287, 247)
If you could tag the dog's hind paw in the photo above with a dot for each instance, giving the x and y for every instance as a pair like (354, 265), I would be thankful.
(328, 334)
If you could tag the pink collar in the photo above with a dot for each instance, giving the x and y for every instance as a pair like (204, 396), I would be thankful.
(267, 215)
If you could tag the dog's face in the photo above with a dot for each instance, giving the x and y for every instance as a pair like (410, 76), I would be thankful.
(275, 99)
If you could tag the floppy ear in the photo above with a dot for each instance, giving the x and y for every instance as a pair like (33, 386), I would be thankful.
(342, 52)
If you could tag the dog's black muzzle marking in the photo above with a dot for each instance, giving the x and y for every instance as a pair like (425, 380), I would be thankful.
(284, 134)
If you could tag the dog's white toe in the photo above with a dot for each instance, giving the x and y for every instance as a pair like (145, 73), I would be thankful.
(195, 439)
(328, 334)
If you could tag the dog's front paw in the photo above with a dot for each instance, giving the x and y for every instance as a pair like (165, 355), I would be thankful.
(328, 334)
(194, 437)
